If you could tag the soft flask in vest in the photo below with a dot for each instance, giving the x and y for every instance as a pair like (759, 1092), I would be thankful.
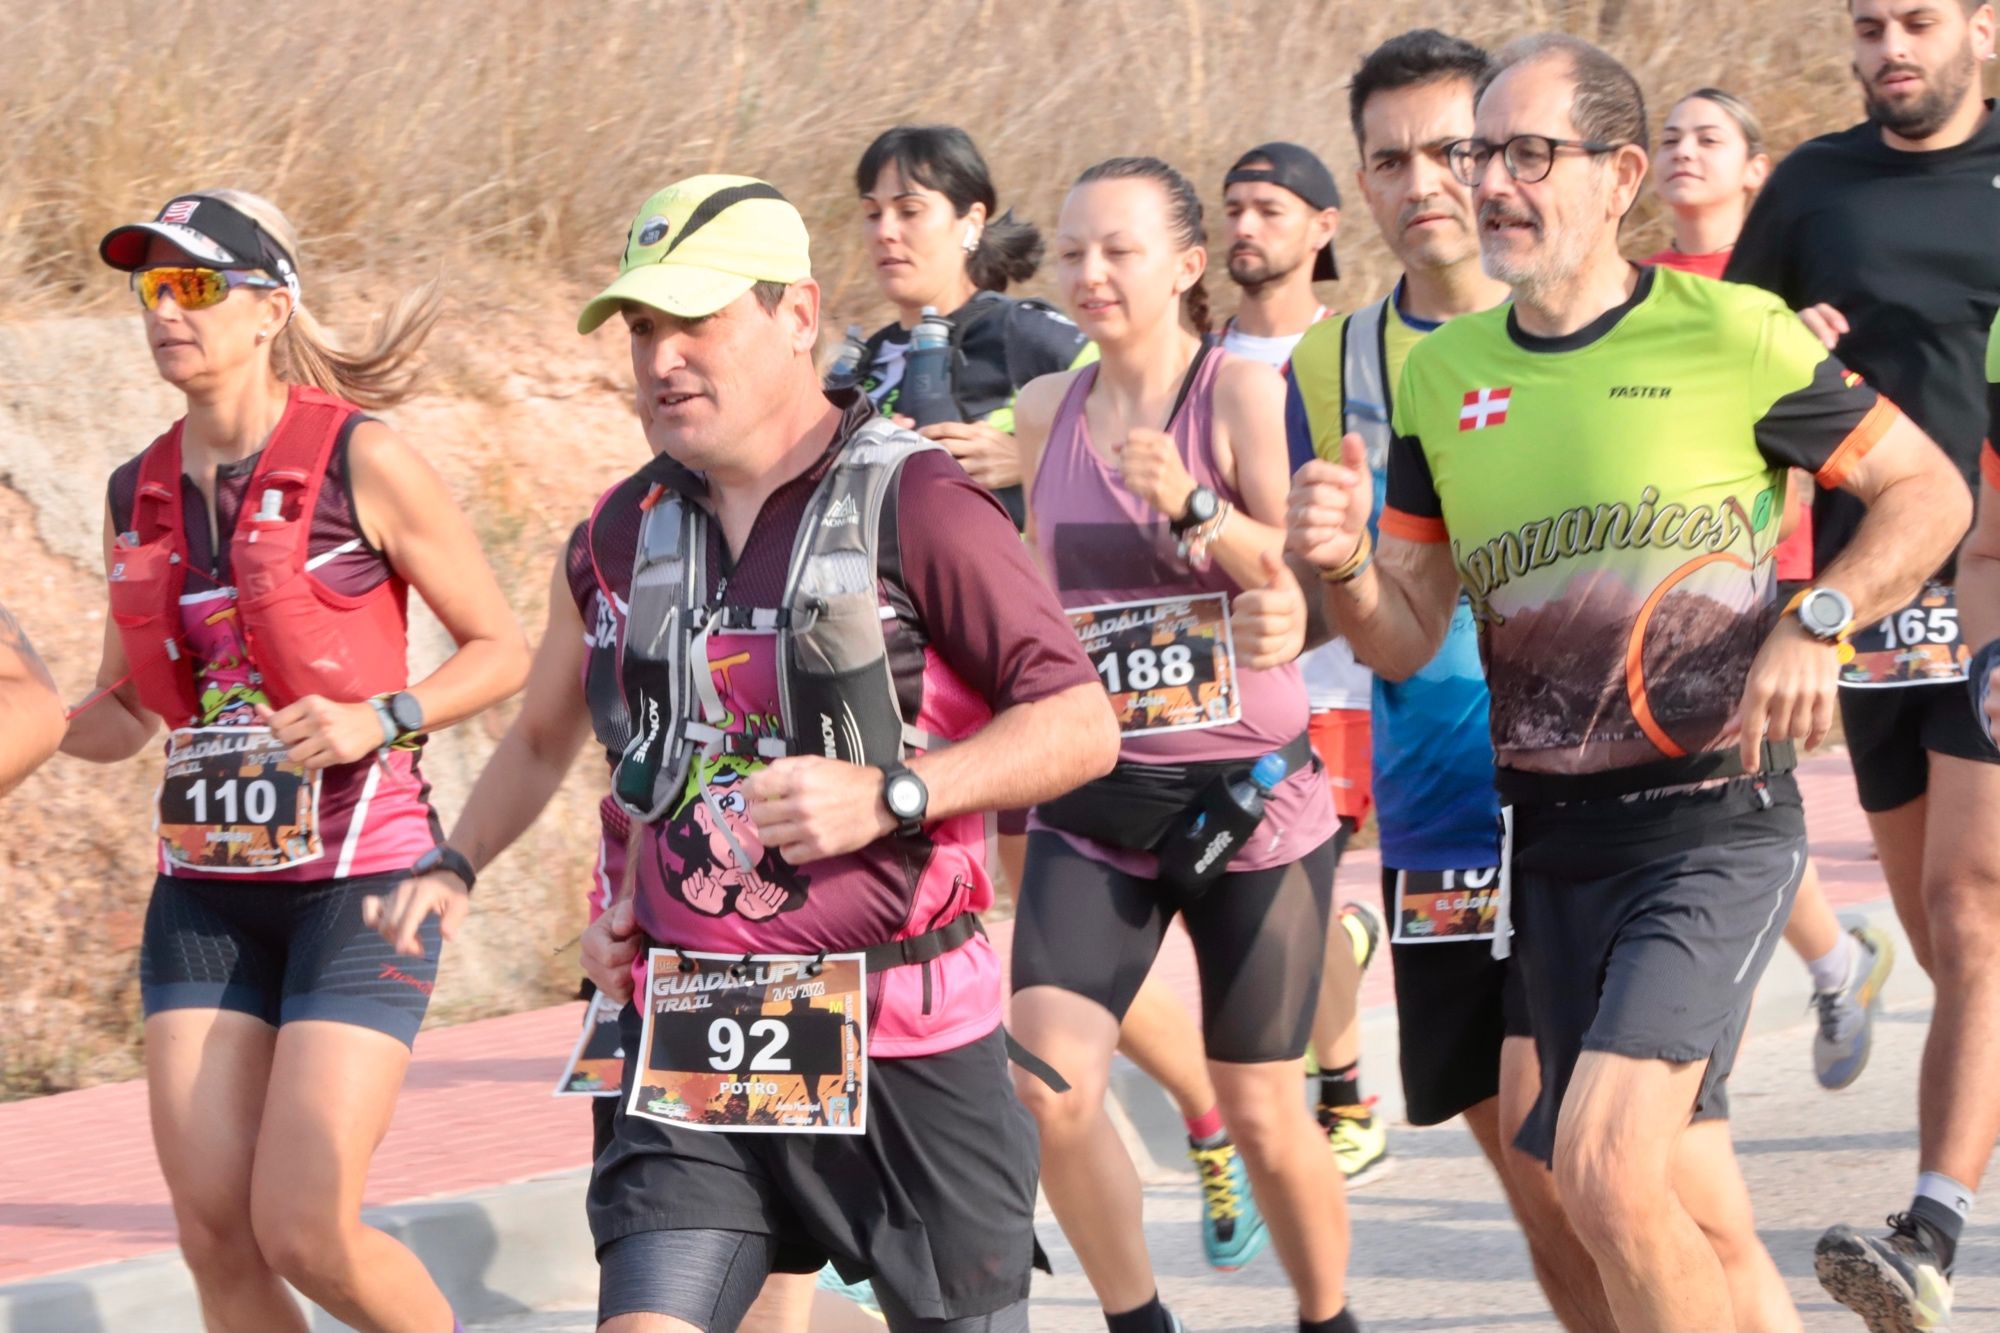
(1206, 838)
(926, 396)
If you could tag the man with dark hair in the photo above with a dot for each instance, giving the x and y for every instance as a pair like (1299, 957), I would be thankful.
(1884, 235)
(1599, 465)
(28, 702)
(1463, 1026)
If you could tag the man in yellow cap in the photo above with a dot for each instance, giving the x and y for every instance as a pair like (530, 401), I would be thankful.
(815, 653)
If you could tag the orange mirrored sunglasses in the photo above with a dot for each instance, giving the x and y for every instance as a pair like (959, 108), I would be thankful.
(194, 288)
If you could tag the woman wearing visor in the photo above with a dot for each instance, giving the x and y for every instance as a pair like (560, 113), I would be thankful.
(261, 554)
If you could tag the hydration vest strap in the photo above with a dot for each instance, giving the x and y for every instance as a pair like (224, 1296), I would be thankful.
(1364, 380)
(669, 579)
(927, 947)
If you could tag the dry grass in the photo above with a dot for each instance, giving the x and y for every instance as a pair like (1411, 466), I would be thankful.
(510, 140)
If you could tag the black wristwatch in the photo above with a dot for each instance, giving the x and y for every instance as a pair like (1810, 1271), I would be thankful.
(442, 857)
(407, 712)
(907, 798)
(1202, 505)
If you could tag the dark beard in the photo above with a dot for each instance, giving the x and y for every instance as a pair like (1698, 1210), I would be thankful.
(1920, 119)
(1265, 277)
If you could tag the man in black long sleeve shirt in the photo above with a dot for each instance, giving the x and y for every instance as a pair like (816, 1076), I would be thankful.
(1892, 229)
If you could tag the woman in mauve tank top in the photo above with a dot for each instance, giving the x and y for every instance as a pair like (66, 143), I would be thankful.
(1156, 485)
(260, 556)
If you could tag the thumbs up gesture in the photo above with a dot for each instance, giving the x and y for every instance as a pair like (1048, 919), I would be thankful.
(1329, 506)
(1268, 623)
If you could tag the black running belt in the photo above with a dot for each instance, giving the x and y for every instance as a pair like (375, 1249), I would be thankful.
(1520, 787)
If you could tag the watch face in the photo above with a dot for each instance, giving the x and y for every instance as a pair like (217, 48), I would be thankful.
(1201, 505)
(407, 713)
(904, 796)
(1823, 612)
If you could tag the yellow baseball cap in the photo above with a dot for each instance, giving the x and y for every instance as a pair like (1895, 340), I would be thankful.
(702, 242)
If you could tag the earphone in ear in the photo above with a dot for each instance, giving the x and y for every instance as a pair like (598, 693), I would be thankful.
(971, 239)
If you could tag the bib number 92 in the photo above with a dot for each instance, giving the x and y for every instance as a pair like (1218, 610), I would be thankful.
(730, 1043)
(1147, 668)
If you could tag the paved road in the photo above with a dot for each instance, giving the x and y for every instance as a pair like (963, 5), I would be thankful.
(1436, 1250)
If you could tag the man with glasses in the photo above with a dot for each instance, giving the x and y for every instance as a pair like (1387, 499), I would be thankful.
(1601, 464)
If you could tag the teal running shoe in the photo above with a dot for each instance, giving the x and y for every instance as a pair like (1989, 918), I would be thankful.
(1232, 1230)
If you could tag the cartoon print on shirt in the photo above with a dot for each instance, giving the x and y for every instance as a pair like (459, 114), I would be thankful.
(699, 865)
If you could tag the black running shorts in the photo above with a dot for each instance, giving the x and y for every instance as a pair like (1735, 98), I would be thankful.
(1643, 926)
(282, 952)
(935, 1202)
(1259, 942)
(1455, 1004)
(1891, 733)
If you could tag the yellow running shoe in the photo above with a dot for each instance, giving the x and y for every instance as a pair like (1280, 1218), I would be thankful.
(1359, 1139)
(1363, 925)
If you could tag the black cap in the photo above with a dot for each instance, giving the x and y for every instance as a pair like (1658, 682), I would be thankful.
(1296, 169)
(207, 229)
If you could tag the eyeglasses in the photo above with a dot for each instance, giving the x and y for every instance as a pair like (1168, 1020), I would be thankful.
(1529, 157)
(194, 288)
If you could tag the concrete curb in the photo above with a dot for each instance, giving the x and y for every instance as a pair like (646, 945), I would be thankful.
(494, 1252)
(524, 1246)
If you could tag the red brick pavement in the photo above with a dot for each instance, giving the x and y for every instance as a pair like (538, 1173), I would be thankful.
(80, 1185)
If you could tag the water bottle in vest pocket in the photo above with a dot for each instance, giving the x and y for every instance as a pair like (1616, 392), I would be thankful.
(838, 684)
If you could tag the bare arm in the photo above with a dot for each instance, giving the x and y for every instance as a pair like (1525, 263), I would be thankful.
(1032, 752)
(1396, 613)
(404, 506)
(1918, 509)
(1034, 413)
(31, 709)
(1250, 423)
(111, 725)
(519, 780)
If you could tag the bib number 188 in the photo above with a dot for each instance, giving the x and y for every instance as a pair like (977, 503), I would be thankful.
(1147, 668)
(727, 1039)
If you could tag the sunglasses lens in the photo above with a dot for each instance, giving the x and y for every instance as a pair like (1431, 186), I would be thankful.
(191, 288)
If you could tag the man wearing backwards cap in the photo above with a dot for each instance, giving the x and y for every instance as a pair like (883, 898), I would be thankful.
(755, 856)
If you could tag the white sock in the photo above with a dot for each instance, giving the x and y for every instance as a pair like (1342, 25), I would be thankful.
(1830, 971)
(1940, 1188)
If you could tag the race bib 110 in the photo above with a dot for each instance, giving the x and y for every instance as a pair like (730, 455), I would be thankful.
(233, 803)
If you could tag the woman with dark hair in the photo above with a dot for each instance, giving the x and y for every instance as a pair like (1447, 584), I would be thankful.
(936, 240)
(1156, 483)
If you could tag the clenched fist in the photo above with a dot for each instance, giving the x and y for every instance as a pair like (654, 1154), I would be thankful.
(1149, 463)
(1329, 507)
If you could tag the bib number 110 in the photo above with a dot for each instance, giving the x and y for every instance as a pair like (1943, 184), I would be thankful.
(1146, 669)
(254, 802)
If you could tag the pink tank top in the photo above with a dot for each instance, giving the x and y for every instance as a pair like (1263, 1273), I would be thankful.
(1102, 544)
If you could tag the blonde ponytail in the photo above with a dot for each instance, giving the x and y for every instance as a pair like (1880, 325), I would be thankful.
(381, 375)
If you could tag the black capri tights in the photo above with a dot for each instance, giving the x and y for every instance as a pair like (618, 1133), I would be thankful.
(710, 1278)
(1259, 941)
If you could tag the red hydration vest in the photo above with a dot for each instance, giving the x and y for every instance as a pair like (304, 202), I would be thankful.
(303, 638)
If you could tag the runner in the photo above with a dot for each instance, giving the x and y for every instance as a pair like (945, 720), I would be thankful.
(1463, 1029)
(29, 702)
(1883, 232)
(1146, 534)
(278, 1027)
(928, 210)
(1546, 460)
(1709, 166)
(743, 853)
(1283, 209)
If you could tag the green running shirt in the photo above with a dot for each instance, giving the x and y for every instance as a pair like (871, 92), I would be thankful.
(1612, 499)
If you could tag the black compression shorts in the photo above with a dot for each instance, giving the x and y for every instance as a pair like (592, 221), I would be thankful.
(282, 953)
(1259, 941)
(1892, 732)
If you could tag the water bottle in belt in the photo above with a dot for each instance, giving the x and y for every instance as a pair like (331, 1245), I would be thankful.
(1204, 842)
(925, 396)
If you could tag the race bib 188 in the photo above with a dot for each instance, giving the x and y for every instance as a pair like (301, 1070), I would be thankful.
(1918, 645)
(767, 1045)
(232, 803)
(1168, 665)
